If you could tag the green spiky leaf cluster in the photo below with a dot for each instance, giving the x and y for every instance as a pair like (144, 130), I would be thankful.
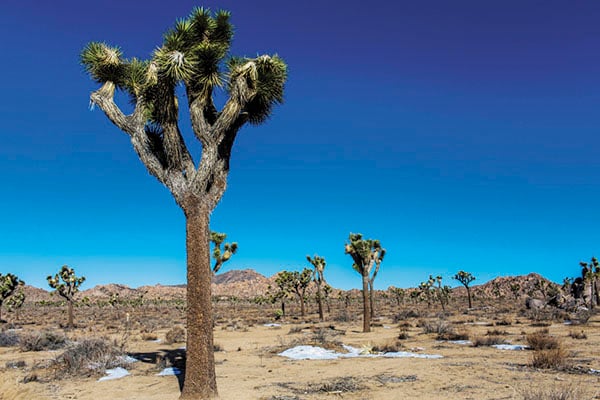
(464, 277)
(16, 300)
(8, 284)
(221, 256)
(65, 282)
(194, 52)
(364, 252)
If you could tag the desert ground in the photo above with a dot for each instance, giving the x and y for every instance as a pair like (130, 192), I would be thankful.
(250, 336)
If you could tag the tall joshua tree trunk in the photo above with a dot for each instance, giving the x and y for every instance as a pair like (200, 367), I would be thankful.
(201, 366)
(70, 323)
(366, 304)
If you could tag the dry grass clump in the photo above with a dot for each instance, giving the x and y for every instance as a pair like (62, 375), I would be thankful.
(557, 358)
(175, 335)
(487, 341)
(541, 340)
(566, 392)
(440, 327)
(148, 336)
(90, 356)
(9, 339)
(577, 335)
(40, 341)
(390, 346)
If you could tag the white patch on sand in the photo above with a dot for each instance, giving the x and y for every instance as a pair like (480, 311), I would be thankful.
(169, 371)
(114, 373)
(319, 353)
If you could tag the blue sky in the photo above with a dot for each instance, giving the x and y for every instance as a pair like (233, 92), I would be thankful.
(463, 135)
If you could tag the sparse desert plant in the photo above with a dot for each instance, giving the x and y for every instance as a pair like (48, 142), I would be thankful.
(398, 294)
(554, 358)
(390, 346)
(318, 264)
(437, 326)
(297, 283)
(175, 335)
(221, 256)
(465, 278)
(577, 335)
(558, 392)
(541, 340)
(9, 339)
(89, 357)
(15, 302)
(8, 284)
(479, 341)
(453, 334)
(66, 284)
(41, 341)
(193, 55)
(367, 255)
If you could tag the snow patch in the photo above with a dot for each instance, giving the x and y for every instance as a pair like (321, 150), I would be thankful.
(510, 346)
(169, 371)
(272, 325)
(319, 353)
(114, 373)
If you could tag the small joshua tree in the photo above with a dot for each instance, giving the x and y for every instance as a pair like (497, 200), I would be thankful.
(465, 278)
(67, 288)
(367, 255)
(219, 255)
(426, 291)
(319, 264)
(442, 292)
(590, 273)
(8, 284)
(515, 288)
(15, 302)
(397, 293)
(297, 283)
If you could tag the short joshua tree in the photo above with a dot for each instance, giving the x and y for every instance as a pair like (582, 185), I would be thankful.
(15, 302)
(297, 283)
(465, 278)
(8, 284)
(221, 256)
(367, 255)
(319, 267)
(66, 284)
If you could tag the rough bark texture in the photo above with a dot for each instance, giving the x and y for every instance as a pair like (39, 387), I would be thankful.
(320, 301)
(371, 300)
(366, 304)
(200, 380)
(469, 296)
(70, 312)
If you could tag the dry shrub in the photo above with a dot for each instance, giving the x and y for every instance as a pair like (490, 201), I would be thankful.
(503, 322)
(403, 334)
(556, 358)
(388, 347)
(568, 392)
(487, 341)
(496, 332)
(439, 327)
(149, 336)
(40, 341)
(88, 357)
(8, 339)
(577, 335)
(541, 340)
(175, 335)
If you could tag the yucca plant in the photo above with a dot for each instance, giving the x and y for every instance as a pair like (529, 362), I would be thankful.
(221, 255)
(66, 284)
(8, 284)
(367, 255)
(319, 264)
(194, 54)
(15, 302)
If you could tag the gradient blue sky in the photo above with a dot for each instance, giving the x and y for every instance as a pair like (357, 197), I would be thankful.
(462, 134)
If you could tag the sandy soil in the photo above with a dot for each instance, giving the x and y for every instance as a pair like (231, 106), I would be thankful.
(248, 367)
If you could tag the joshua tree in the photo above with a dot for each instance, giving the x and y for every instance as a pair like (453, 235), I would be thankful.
(590, 273)
(465, 278)
(15, 302)
(67, 288)
(319, 264)
(193, 56)
(426, 291)
(442, 293)
(220, 257)
(515, 288)
(397, 293)
(366, 254)
(8, 284)
(326, 295)
(297, 283)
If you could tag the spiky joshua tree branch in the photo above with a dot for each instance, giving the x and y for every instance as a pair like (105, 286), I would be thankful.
(465, 278)
(318, 264)
(221, 256)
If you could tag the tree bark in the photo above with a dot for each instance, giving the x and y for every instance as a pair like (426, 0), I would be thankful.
(371, 300)
(320, 302)
(200, 378)
(469, 296)
(366, 304)
(70, 312)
